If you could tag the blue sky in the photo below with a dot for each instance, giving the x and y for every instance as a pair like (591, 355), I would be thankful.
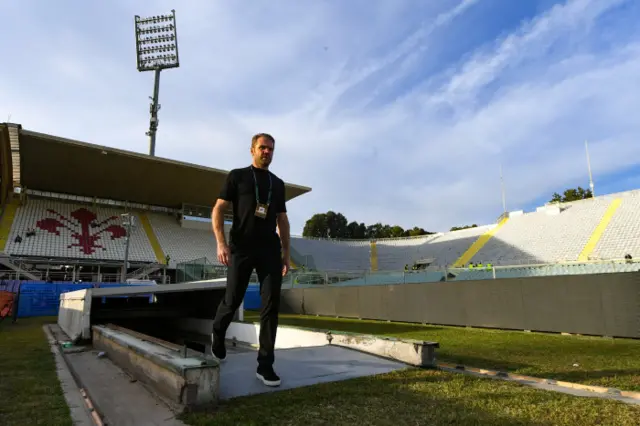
(392, 111)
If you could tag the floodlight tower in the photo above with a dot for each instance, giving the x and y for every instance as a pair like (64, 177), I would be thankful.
(586, 147)
(157, 49)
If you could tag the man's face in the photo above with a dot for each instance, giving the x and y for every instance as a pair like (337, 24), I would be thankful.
(262, 152)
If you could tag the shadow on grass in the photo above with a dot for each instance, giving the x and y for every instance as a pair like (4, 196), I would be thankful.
(410, 397)
(478, 362)
(351, 325)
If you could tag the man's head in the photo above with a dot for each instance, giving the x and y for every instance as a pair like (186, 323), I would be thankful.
(262, 146)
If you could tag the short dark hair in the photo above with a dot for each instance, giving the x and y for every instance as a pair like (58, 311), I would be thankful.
(255, 138)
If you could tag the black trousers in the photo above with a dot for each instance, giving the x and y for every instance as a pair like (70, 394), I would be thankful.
(268, 266)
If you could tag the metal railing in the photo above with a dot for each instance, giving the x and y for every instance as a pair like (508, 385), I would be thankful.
(202, 269)
(62, 276)
(436, 274)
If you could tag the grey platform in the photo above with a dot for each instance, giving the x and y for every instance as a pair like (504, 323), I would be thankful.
(298, 367)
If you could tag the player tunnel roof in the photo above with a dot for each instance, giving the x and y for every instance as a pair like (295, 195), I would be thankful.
(50, 163)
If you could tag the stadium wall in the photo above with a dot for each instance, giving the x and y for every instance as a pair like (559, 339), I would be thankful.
(598, 304)
(38, 298)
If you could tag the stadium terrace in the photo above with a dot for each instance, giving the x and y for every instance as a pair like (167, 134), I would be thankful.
(70, 222)
(63, 199)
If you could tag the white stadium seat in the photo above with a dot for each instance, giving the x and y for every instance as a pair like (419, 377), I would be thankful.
(444, 248)
(68, 230)
(556, 234)
(334, 255)
(551, 235)
(183, 244)
(622, 236)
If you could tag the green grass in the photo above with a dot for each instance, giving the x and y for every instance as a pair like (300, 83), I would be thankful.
(601, 362)
(417, 397)
(30, 393)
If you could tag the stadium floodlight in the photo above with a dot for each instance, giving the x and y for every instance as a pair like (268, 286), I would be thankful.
(156, 50)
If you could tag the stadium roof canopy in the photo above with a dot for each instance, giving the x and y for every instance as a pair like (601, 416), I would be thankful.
(55, 164)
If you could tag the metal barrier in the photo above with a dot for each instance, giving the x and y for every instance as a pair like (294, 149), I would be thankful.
(198, 270)
(605, 304)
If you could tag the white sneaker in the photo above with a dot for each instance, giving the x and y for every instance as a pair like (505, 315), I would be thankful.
(219, 353)
(268, 377)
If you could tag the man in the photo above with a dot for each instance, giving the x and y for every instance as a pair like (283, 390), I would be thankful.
(258, 200)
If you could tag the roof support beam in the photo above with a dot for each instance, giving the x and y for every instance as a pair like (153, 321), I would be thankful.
(14, 145)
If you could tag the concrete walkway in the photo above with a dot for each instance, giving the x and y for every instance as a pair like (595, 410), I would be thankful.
(120, 399)
(298, 367)
(80, 413)
(117, 398)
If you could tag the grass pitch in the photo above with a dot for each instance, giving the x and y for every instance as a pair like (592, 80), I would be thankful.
(418, 397)
(30, 393)
(600, 361)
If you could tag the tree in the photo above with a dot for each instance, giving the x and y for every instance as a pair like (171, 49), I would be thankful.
(396, 231)
(335, 225)
(326, 225)
(416, 232)
(356, 231)
(459, 228)
(316, 226)
(572, 194)
(376, 231)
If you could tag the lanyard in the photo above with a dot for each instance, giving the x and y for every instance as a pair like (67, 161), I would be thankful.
(256, 182)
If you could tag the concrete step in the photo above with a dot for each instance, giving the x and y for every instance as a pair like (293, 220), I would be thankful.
(185, 379)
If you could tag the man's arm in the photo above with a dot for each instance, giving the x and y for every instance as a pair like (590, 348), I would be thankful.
(225, 199)
(283, 230)
(217, 218)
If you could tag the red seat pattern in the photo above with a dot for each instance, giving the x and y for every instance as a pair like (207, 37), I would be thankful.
(84, 227)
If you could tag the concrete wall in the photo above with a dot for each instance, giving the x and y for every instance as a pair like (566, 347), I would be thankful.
(599, 304)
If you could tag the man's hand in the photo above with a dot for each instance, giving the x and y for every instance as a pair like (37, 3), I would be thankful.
(286, 263)
(224, 254)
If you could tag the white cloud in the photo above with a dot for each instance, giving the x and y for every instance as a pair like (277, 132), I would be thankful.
(320, 76)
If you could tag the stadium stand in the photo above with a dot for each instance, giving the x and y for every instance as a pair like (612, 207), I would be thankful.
(49, 228)
(593, 236)
(61, 202)
(603, 228)
(622, 235)
(170, 202)
(183, 244)
(555, 233)
(334, 255)
(394, 254)
(444, 248)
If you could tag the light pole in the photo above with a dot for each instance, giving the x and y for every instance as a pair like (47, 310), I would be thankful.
(156, 49)
(128, 222)
(586, 147)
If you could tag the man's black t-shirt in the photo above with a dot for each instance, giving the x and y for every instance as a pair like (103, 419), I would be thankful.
(249, 231)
